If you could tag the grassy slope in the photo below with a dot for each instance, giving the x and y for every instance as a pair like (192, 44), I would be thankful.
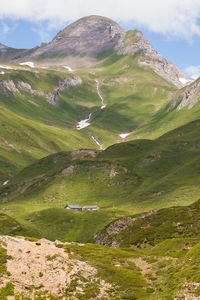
(169, 117)
(136, 98)
(164, 245)
(130, 177)
(132, 94)
(168, 270)
(138, 175)
(163, 263)
(31, 128)
(153, 229)
(48, 126)
(24, 141)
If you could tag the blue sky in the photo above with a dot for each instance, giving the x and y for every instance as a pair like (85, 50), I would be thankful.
(172, 26)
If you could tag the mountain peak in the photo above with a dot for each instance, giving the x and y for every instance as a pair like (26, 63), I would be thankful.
(79, 44)
(89, 35)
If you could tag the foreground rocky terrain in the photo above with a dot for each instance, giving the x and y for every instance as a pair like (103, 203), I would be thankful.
(44, 269)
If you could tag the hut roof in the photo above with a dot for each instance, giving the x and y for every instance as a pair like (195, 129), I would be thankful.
(91, 207)
(73, 206)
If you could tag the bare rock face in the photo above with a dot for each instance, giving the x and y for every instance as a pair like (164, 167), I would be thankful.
(134, 43)
(3, 47)
(191, 96)
(7, 86)
(9, 55)
(63, 85)
(45, 268)
(187, 97)
(85, 37)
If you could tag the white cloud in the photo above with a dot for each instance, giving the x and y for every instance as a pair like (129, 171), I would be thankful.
(42, 31)
(172, 17)
(5, 28)
(193, 71)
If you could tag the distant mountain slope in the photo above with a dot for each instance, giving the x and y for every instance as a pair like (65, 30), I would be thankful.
(52, 102)
(87, 37)
(139, 175)
(79, 44)
(183, 107)
(121, 97)
(55, 101)
(32, 124)
(8, 54)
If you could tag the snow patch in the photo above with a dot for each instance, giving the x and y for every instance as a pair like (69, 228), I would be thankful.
(6, 67)
(5, 182)
(185, 81)
(84, 123)
(124, 135)
(68, 68)
(28, 63)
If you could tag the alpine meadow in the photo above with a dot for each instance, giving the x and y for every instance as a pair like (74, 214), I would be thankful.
(99, 169)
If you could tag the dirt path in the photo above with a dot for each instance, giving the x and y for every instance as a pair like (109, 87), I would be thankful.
(142, 265)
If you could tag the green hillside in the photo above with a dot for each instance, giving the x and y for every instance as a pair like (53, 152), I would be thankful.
(133, 96)
(126, 178)
(172, 115)
(23, 141)
(155, 227)
(110, 133)
(143, 174)
(32, 128)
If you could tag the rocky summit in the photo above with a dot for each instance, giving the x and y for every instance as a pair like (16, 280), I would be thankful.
(87, 36)
(80, 44)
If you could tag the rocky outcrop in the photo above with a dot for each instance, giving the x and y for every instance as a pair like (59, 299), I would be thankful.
(103, 238)
(9, 86)
(134, 43)
(191, 96)
(80, 154)
(63, 85)
(25, 86)
(3, 47)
